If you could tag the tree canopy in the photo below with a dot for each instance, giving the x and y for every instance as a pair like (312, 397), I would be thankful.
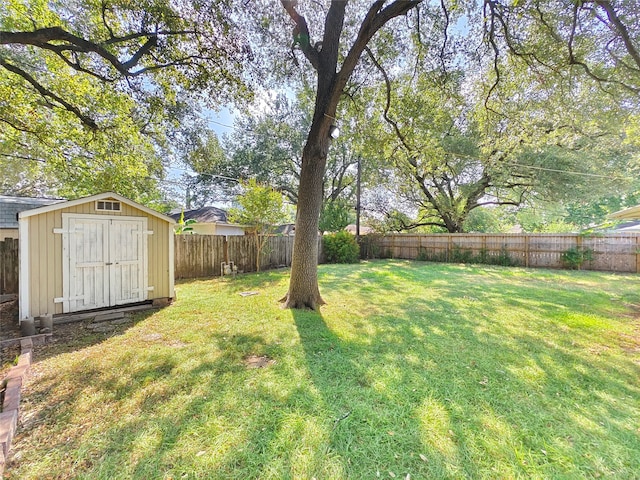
(87, 87)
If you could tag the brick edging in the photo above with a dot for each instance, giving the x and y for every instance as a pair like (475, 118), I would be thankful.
(11, 403)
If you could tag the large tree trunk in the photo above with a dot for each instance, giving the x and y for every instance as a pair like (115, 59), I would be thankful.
(303, 286)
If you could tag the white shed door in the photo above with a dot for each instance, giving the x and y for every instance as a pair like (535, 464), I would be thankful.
(106, 259)
(127, 255)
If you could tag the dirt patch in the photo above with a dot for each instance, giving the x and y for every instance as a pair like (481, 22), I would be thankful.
(630, 342)
(254, 361)
(9, 328)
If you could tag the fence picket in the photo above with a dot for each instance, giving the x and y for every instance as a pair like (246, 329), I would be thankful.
(241, 250)
(9, 265)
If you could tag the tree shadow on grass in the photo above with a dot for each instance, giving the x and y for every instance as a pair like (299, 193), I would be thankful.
(126, 420)
(466, 399)
(372, 399)
(509, 381)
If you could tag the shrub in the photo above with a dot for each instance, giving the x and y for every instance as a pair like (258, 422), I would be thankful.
(504, 259)
(341, 247)
(574, 257)
(461, 255)
(423, 255)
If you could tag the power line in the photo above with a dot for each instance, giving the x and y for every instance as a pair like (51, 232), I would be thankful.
(570, 172)
(533, 167)
(222, 124)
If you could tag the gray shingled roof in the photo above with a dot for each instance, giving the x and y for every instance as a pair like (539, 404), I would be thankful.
(11, 206)
(203, 215)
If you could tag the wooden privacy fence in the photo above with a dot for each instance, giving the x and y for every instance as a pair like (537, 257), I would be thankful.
(201, 255)
(9, 262)
(618, 252)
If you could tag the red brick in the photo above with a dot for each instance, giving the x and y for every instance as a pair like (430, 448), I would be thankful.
(8, 424)
(24, 358)
(11, 399)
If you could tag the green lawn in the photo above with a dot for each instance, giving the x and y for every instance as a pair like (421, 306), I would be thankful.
(413, 370)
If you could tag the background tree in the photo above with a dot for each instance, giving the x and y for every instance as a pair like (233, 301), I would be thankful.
(267, 146)
(261, 211)
(448, 164)
(336, 215)
(87, 87)
(456, 142)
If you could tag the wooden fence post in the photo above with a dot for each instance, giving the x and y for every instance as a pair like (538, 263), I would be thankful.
(526, 251)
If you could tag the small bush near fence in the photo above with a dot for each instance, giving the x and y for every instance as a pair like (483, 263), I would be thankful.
(574, 257)
(341, 247)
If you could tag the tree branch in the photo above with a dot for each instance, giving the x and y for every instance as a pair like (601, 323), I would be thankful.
(621, 29)
(387, 105)
(373, 21)
(85, 119)
(301, 34)
(42, 37)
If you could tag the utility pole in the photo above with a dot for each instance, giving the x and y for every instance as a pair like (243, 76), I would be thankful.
(358, 203)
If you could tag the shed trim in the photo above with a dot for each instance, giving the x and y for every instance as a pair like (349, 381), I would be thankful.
(93, 198)
(171, 264)
(23, 286)
(631, 213)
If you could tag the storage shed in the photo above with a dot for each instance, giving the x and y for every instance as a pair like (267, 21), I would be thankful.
(93, 253)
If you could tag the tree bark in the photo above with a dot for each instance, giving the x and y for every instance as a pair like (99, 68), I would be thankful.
(304, 292)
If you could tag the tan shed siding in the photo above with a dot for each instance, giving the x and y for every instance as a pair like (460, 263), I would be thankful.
(42, 261)
(50, 285)
(90, 208)
(152, 254)
(159, 258)
(58, 290)
(163, 259)
(45, 255)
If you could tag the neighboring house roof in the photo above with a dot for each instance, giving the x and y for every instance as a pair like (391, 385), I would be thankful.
(632, 213)
(633, 226)
(60, 204)
(203, 215)
(10, 207)
(363, 229)
(286, 229)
